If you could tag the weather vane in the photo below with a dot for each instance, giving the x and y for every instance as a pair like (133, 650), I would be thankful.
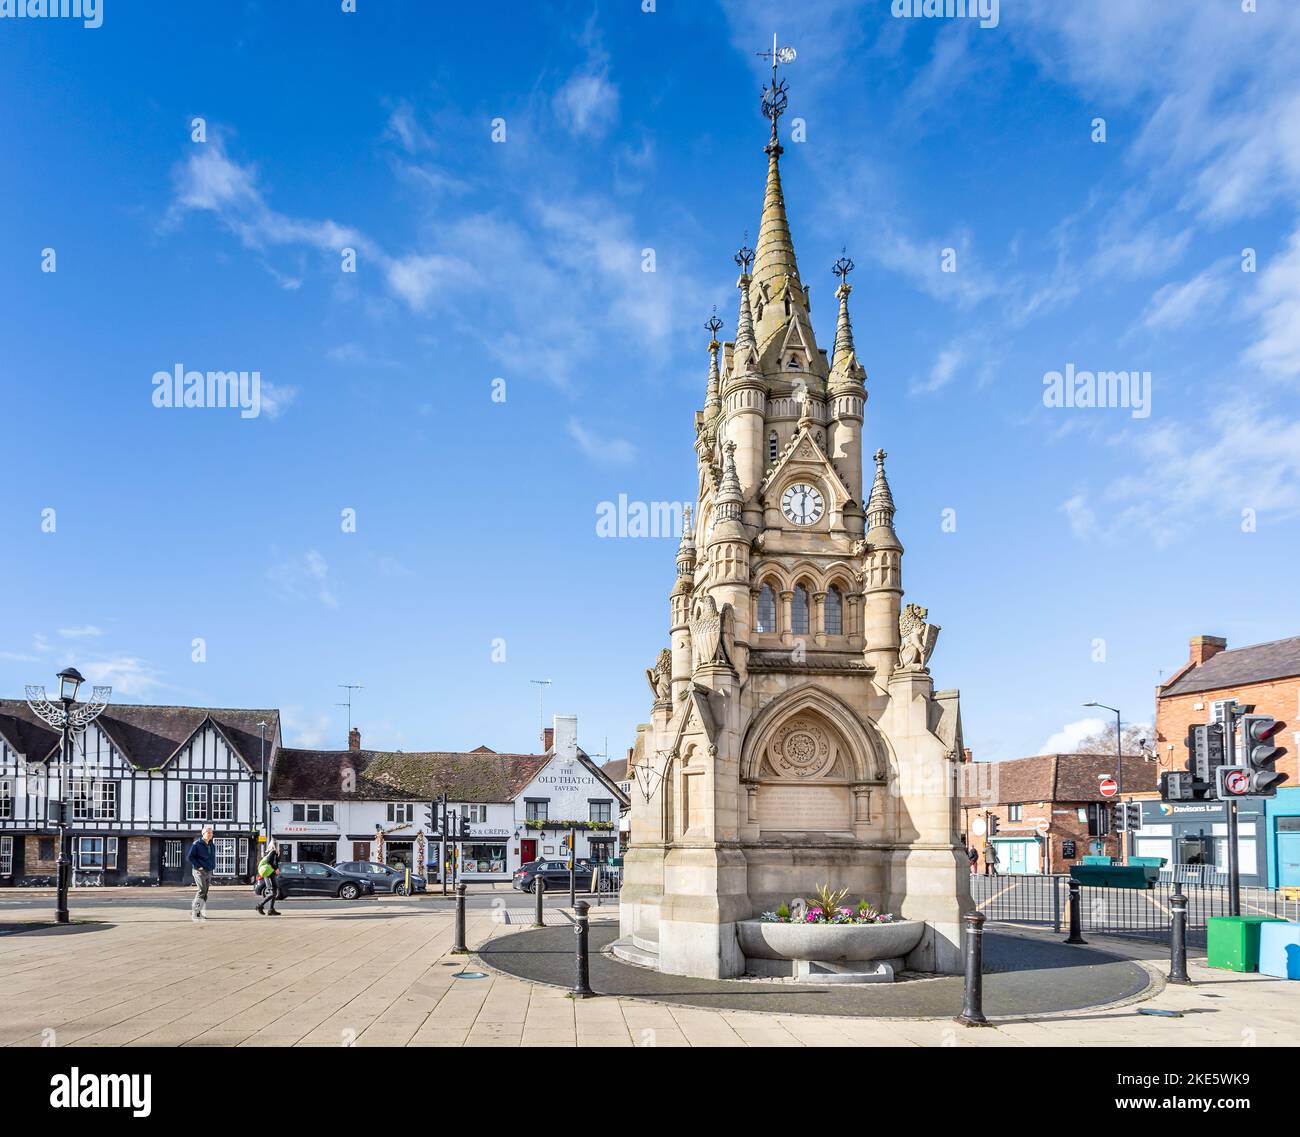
(745, 257)
(843, 267)
(774, 97)
(714, 325)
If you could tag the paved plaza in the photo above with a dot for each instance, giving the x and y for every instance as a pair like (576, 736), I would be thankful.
(382, 973)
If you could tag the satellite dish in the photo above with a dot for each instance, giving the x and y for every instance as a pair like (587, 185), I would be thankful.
(785, 55)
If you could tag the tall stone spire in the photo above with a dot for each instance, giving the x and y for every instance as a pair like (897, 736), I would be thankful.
(775, 262)
(744, 352)
(846, 372)
(713, 392)
(880, 507)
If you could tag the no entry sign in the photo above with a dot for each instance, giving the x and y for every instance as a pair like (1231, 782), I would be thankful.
(1109, 787)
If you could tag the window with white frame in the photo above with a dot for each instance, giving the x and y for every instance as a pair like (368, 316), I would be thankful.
(93, 801)
(196, 801)
(536, 810)
(6, 799)
(1015, 813)
(476, 814)
(401, 812)
(314, 811)
(223, 802)
(96, 852)
(6, 856)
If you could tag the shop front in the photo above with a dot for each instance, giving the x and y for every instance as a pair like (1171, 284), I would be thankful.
(485, 853)
(1195, 834)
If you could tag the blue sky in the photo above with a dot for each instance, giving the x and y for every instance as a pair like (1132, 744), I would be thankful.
(1089, 543)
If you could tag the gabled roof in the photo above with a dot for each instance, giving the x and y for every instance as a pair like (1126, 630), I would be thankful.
(146, 736)
(1052, 777)
(1257, 663)
(615, 770)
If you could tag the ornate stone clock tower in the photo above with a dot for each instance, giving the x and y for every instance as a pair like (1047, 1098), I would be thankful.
(796, 738)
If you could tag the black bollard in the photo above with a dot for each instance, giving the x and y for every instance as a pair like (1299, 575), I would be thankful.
(1076, 916)
(539, 901)
(1178, 937)
(581, 986)
(972, 1011)
(459, 947)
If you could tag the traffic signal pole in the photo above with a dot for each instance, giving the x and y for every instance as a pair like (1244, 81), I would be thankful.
(1230, 759)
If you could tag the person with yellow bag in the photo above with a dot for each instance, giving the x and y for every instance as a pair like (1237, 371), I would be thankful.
(267, 869)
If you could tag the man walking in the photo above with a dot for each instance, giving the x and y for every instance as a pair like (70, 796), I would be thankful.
(973, 856)
(990, 859)
(203, 862)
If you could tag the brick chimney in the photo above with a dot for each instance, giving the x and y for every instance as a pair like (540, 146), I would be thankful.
(1207, 647)
(354, 738)
(548, 738)
(966, 755)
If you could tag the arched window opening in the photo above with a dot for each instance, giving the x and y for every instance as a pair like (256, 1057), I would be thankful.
(766, 609)
(772, 447)
(834, 612)
(799, 611)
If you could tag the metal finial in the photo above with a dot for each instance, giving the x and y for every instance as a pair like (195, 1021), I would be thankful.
(745, 257)
(774, 96)
(714, 325)
(880, 457)
(843, 267)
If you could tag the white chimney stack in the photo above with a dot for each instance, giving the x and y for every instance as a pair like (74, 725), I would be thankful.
(566, 737)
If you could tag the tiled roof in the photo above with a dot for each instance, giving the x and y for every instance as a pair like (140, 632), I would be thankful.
(1051, 777)
(615, 769)
(146, 736)
(1239, 667)
(480, 775)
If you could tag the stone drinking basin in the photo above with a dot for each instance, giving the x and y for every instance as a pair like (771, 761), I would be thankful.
(830, 943)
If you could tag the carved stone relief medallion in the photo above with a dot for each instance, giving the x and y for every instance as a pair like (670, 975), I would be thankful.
(801, 749)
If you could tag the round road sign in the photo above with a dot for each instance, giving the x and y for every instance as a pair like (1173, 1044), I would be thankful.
(1043, 826)
(1108, 787)
(1236, 782)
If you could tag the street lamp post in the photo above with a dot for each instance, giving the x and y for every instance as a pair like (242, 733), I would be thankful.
(1119, 764)
(69, 720)
(266, 790)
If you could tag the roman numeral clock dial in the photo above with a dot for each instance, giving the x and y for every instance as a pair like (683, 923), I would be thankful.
(802, 504)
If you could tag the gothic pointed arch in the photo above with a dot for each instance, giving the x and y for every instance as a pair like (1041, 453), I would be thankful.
(865, 750)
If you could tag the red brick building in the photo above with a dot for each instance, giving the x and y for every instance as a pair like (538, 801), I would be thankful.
(1049, 808)
(1267, 675)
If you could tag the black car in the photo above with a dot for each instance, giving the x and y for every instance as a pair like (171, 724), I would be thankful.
(310, 878)
(385, 878)
(555, 873)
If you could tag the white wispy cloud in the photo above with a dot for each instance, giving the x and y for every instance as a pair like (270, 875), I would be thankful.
(305, 576)
(83, 631)
(1067, 739)
(600, 448)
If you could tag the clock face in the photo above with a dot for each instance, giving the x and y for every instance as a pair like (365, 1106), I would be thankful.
(802, 504)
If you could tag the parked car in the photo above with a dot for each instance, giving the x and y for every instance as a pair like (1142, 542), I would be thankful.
(555, 873)
(385, 878)
(310, 878)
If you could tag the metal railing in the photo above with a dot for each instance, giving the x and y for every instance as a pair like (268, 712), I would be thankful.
(1041, 900)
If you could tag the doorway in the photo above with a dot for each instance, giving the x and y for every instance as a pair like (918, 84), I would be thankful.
(1288, 852)
(528, 849)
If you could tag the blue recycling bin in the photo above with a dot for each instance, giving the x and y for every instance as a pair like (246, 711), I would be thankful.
(1279, 950)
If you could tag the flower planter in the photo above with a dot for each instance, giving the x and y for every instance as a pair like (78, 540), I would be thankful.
(848, 953)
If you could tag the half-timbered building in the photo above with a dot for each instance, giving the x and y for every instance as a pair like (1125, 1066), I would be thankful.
(141, 783)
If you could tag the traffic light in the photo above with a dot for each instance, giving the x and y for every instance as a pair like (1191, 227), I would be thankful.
(1177, 786)
(993, 825)
(1130, 816)
(1259, 755)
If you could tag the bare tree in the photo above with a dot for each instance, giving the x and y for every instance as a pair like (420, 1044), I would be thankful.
(1103, 742)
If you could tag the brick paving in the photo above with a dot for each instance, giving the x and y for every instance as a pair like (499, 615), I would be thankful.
(383, 975)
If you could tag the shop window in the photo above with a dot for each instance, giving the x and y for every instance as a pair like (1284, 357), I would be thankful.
(6, 856)
(172, 854)
(225, 850)
(483, 858)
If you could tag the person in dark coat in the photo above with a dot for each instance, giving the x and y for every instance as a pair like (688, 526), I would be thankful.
(973, 855)
(268, 868)
(203, 863)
